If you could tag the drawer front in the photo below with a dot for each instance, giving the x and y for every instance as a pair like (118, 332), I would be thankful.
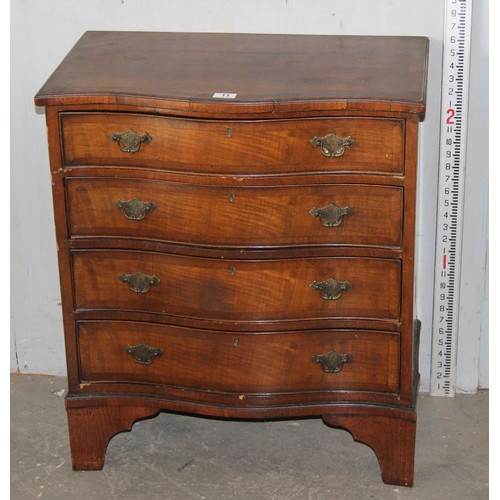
(329, 214)
(223, 289)
(376, 145)
(215, 361)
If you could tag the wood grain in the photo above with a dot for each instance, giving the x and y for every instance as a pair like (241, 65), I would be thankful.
(233, 146)
(235, 216)
(268, 72)
(230, 290)
(231, 362)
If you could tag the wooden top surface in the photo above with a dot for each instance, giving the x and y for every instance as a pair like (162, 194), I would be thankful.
(266, 72)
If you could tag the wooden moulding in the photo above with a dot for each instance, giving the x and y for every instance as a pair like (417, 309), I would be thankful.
(390, 432)
(270, 74)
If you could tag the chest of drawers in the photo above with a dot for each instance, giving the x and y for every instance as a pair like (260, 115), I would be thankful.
(235, 226)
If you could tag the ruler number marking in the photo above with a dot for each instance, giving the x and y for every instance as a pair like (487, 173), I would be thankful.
(451, 114)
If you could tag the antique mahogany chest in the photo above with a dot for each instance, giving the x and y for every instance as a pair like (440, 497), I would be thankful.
(235, 222)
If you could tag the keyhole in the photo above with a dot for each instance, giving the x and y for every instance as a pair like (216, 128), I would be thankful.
(229, 132)
(231, 197)
(235, 342)
(232, 270)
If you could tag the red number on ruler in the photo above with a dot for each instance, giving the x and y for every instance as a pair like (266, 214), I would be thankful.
(451, 114)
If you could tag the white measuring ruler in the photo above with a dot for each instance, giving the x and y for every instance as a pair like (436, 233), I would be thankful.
(454, 101)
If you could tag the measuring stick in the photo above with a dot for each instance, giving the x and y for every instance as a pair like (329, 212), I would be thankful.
(454, 100)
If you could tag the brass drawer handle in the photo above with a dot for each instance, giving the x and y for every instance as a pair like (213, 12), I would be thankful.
(331, 289)
(135, 209)
(143, 354)
(139, 282)
(332, 145)
(129, 141)
(332, 362)
(331, 216)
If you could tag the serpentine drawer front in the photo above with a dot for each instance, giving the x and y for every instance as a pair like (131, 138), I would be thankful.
(253, 216)
(140, 353)
(236, 234)
(230, 146)
(237, 290)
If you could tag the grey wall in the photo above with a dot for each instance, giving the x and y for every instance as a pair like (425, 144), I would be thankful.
(43, 31)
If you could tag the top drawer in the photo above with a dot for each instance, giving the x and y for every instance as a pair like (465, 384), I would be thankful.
(266, 146)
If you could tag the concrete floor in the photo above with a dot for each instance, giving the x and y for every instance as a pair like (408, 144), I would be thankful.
(178, 457)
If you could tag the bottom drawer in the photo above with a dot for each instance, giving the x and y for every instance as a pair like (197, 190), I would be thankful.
(147, 353)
